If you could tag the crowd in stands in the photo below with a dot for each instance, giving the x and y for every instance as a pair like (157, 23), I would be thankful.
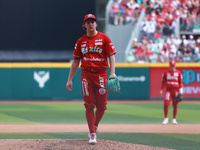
(158, 41)
(124, 12)
(163, 50)
(164, 13)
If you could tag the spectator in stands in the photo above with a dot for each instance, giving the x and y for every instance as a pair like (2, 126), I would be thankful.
(183, 21)
(172, 51)
(141, 54)
(152, 55)
(164, 54)
(184, 41)
(175, 3)
(142, 27)
(177, 41)
(136, 14)
(191, 41)
(158, 45)
(149, 28)
(196, 53)
(112, 15)
(131, 56)
(170, 39)
(166, 46)
(157, 34)
(116, 13)
(169, 18)
(198, 42)
(144, 41)
(149, 8)
(167, 31)
(160, 18)
(150, 45)
(190, 48)
(135, 43)
(132, 4)
(182, 44)
(190, 5)
(149, 55)
(129, 15)
(132, 53)
(173, 25)
(187, 54)
(190, 24)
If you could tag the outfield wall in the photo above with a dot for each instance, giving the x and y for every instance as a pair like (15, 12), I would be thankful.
(47, 81)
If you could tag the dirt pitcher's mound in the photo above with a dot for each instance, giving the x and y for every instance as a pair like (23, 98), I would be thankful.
(70, 144)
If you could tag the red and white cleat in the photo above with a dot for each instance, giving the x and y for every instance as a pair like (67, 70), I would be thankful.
(92, 138)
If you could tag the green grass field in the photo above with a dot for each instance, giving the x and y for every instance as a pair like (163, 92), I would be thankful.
(117, 113)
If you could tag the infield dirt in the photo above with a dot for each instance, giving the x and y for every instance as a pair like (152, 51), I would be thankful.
(82, 144)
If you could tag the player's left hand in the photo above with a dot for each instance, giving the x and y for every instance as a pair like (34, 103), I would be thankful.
(113, 85)
(69, 86)
(112, 77)
(179, 98)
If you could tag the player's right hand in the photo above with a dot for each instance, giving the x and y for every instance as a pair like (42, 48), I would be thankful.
(69, 86)
(161, 92)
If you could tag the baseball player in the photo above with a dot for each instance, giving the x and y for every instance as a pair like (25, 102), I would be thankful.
(172, 80)
(93, 50)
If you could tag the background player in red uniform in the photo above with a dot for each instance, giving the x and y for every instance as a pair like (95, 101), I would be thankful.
(172, 80)
(93, 50)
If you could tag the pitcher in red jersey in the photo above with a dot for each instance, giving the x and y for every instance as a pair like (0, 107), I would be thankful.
(172, 80)
(93, 50)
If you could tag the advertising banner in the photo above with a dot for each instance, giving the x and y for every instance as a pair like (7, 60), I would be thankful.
(134, 84)
(191, 81)
(47, 81)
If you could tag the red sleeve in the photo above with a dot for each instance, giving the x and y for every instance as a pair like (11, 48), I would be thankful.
(180, 80)
(163, 80)
(110, 50)
(77, 50)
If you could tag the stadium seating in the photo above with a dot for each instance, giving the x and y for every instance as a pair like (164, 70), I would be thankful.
(159, 24)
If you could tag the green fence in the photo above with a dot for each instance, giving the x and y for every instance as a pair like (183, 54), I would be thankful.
(134, 84)
(47, 81)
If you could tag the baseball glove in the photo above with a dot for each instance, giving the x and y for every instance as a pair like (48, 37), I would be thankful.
(179, 98)
(113, 85)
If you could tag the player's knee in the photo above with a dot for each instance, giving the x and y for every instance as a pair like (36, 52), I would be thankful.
(166, 103)
(175, 104)
(89, 106)
(101, 108)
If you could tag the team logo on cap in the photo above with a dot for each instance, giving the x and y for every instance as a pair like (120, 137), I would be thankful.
(90, 15)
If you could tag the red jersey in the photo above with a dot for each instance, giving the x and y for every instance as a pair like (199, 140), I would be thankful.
(172, 80)
(94, 51)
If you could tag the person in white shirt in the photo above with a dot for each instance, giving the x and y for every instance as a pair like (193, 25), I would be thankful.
(177, 41)
(191, 41)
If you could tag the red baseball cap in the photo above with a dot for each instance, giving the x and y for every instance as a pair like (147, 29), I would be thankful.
(89, 16)
(172, 63)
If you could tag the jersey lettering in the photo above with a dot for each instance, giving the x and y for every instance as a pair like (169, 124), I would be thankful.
(101, 81)
(94, 52)
(91, 49)
(172, 79)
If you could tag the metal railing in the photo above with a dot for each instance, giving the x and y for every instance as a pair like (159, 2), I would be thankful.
(135, 33)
